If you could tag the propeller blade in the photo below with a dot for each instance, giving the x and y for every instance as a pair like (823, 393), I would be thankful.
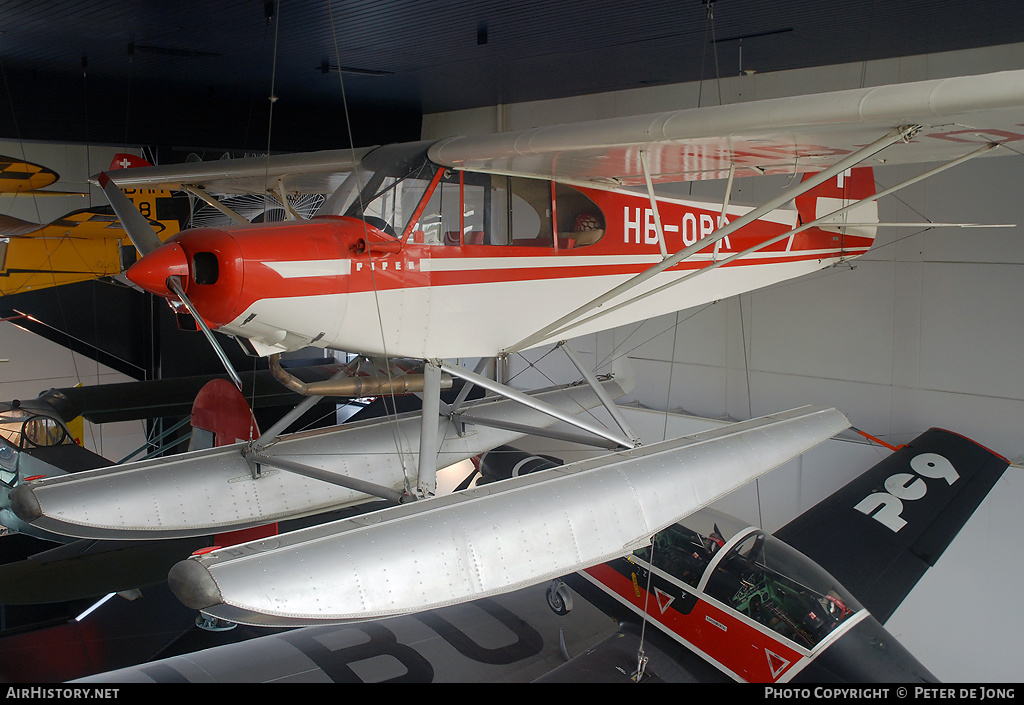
(140, 232)
(174, 285)
(145, 239)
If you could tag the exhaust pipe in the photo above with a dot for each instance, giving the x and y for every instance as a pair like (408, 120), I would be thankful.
(362, 386)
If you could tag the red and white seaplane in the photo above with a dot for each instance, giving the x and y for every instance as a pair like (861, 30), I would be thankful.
(481, 247)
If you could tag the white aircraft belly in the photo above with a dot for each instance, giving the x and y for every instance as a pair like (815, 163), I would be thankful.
(493, 539)
(495, 315)
(208, 491)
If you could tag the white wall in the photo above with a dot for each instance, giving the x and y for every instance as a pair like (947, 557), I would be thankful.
(925, 330)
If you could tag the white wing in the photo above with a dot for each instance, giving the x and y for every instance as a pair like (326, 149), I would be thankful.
(304, 172)
(782, 135)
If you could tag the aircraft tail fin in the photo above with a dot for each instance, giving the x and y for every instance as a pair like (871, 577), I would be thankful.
(124, 160)
(221, 416)
(879, 534)
(838, 192)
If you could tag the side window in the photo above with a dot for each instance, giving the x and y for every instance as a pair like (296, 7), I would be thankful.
(458, 211)
(580, 221)
(468, 208)
(530, 212)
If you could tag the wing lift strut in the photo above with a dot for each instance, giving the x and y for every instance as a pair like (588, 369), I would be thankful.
(563, 326)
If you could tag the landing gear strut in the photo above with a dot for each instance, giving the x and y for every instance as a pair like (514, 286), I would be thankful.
(212, 624)
(559, 597)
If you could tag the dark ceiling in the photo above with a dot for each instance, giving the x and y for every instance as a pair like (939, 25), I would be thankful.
(199, 74)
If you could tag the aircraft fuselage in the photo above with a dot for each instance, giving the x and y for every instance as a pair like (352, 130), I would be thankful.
(755, 608)
(448, 264)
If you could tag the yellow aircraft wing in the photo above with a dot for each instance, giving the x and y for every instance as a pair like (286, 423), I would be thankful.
(82, 245)
(19, 176)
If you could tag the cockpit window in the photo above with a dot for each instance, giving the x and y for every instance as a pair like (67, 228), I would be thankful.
(770, 582)
(389, 202)
(44, 431)
(24, 429)
(685, 550)
(20, 430)
(680, 552)
(467, 208)
(10, 425)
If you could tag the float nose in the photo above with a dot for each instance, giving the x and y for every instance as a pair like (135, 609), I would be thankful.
(152, 270)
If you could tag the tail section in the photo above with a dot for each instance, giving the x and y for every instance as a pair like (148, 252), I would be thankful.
(127, 161)
(221, 416)
(880, 533)
(855, 226)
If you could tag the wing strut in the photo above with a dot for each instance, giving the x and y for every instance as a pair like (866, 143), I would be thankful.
(788, 234)
(290, 213)
(654, 203)
(900, 134)
(725, 206)
(209, 200)
(606, 400)
(536, 404)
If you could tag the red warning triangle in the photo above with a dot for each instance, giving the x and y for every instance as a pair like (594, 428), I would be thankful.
(776, 663)
(663, 598)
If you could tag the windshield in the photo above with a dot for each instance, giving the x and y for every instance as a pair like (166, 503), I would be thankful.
(390, 184)
(776, 585)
